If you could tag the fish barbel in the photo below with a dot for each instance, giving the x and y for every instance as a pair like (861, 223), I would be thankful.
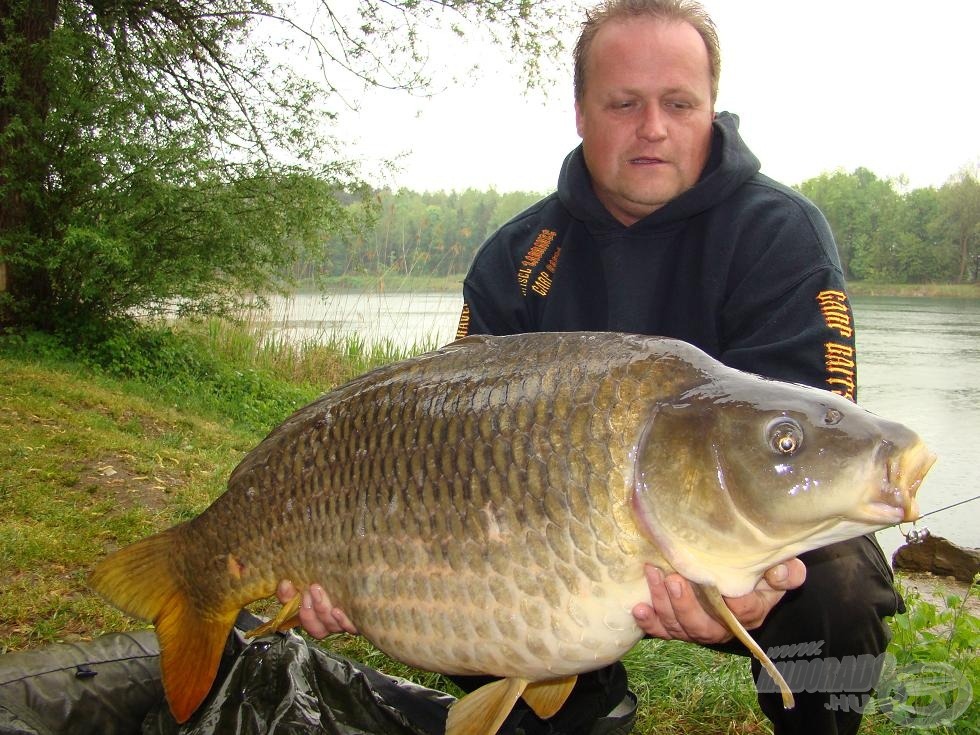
(488, 508)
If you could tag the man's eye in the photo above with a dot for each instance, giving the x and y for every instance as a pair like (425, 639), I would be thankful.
(679, 105)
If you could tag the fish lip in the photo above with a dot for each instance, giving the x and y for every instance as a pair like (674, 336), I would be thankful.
(881, 513)
(895, 499)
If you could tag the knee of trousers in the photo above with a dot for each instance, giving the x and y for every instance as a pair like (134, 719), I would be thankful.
(848, 591)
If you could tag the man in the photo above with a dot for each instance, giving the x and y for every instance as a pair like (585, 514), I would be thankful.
(662, 224)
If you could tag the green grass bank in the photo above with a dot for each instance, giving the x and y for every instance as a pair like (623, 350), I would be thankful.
(106, 440)
(400, 283)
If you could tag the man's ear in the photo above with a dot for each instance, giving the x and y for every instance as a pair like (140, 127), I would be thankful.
(579, 121)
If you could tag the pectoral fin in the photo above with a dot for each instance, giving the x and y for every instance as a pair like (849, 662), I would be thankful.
(483, 711)
(547, 697)
(715, 603)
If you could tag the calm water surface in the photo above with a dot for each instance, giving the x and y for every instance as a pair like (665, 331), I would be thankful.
(919, 363)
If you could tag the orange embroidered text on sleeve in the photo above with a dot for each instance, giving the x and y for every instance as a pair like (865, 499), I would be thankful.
(463, 328)
(836, 313)
(839, 357)
(542, 284)
(841, 369)
(533, 257)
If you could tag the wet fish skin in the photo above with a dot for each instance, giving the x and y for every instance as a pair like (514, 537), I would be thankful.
(420, 541)
(488, 508)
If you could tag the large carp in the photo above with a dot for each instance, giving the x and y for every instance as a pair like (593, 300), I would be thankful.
(489, 508)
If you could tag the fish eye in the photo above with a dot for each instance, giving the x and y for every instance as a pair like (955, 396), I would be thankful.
(785, 436)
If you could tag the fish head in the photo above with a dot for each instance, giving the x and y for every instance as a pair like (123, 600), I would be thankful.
(741, 473)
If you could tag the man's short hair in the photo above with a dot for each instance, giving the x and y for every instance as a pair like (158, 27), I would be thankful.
(683, 11)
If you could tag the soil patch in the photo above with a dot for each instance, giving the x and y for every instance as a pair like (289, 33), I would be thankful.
(932, 589)
(111, 476)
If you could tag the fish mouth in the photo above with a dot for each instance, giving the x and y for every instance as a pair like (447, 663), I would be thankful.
(893, 500)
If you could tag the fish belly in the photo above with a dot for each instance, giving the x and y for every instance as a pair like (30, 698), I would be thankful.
(469, 516)
(530, 624)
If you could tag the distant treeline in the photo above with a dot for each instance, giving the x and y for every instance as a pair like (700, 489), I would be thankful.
(415, 233)
(884, 234)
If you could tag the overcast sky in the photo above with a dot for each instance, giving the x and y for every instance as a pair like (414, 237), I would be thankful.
(890, 85)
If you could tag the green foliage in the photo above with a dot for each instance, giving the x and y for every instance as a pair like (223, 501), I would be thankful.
(884, 236)
(158, 156)
(930, 633)
(933, 674)
(181, 366)
(961, 217)
(431, 233)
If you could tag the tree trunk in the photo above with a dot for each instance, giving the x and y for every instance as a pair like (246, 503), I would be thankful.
(964, 257)
(25, 29)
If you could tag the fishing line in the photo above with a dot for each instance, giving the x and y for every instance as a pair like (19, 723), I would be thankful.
(918, 535)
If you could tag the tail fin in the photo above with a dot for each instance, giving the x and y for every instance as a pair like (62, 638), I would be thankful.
(142, 581)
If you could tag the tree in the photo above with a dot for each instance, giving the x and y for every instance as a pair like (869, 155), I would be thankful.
(861, 209)
(961, 207)
(928, 255)
(154, 152)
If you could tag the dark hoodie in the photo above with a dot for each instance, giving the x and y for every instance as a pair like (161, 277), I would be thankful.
(739, 265)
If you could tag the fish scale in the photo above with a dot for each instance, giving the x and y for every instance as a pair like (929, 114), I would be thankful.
(489, 508)
(516, 500)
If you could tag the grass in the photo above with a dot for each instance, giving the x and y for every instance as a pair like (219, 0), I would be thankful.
(907, 290)
(105, 441)
(100, 446)
(86, 464)
(389, 282)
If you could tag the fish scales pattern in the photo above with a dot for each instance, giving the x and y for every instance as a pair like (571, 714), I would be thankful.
(469, 519)
(489, 508)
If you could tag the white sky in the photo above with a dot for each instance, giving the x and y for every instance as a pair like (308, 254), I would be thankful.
(819, 85)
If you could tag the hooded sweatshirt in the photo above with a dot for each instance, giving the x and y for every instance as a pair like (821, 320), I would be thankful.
(738, 265)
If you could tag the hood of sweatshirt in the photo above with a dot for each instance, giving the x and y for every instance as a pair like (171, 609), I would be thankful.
(730, 164)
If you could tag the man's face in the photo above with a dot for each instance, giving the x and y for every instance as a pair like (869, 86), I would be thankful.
(645, 114)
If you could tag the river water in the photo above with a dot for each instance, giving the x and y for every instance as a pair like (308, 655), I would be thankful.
(919, 363)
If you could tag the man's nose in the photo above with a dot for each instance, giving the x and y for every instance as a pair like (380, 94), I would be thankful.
(652, 124)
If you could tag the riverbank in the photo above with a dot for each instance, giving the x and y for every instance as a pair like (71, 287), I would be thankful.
(915, 290)
(935, 590)
(104, 454)
(399, 283)
(99, 448)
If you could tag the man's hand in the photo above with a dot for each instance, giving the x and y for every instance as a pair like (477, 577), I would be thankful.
(317, 615)
(675, 613)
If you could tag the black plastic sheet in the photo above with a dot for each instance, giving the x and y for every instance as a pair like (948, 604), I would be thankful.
(279, 684)
(282, 684)
(105, 686)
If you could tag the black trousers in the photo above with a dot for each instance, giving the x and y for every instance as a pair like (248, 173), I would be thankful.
(836, 614)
